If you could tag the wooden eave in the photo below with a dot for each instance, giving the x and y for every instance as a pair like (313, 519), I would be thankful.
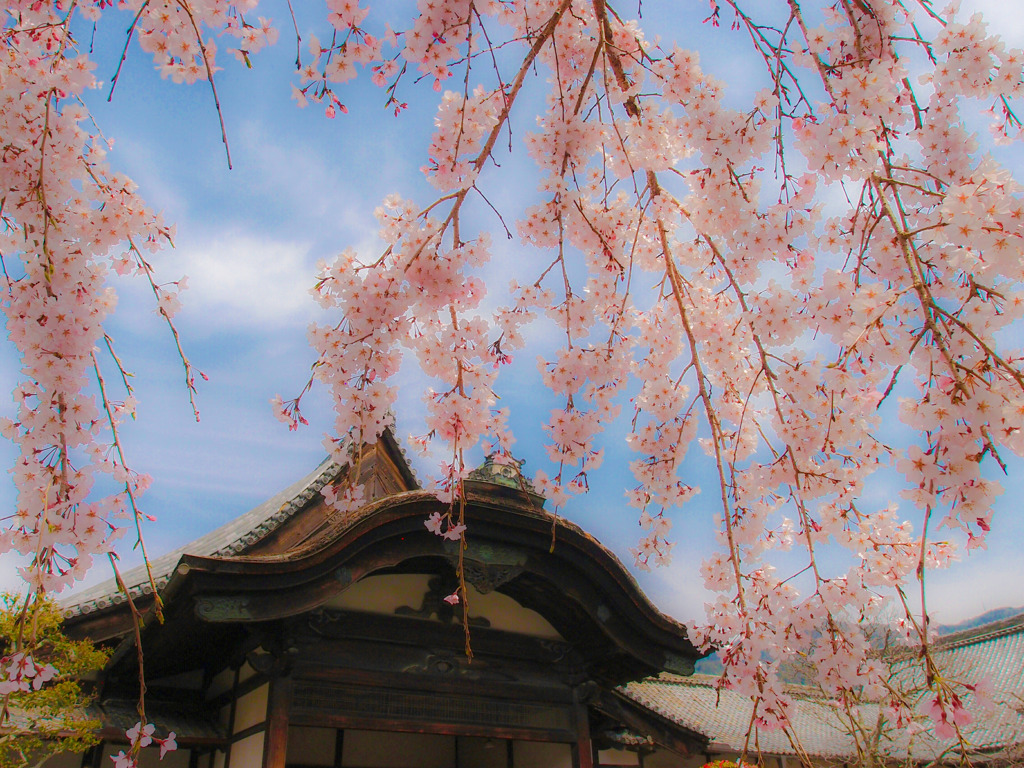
(383, 472)
(580, 587)
(671, 735)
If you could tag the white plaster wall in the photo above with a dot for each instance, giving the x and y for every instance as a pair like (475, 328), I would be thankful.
(506, 614)
(383, 594)
(221, 682)
(479, 752)
(617, 757)
(251, 709)
(150, 758)
(245, 672)
(248, 753)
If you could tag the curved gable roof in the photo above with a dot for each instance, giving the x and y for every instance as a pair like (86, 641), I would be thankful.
(543, 562)
(233, 536)
(290, 555)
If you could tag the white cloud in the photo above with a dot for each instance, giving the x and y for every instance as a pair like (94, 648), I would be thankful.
(1004, 18)
(237, 278)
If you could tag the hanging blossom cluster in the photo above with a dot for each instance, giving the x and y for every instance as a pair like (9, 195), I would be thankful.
(785, 327)
(66, 222)
(139, 737)
(696, 260)
(64, 212)
(20, 672)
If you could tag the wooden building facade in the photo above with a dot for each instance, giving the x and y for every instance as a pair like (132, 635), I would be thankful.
(296, 638)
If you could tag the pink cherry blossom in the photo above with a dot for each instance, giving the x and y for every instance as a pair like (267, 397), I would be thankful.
(764, 288)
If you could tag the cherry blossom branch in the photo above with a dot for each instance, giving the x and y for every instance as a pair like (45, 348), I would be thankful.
(140, 541)
(124, 51)
(209, 75)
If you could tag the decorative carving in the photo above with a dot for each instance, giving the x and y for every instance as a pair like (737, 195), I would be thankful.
(556, 648)
(456, 664)
(487, 553)
(324, 623)
(223, 608)
(487, 578)
(438, 588)
(343, 576)
(272, 663)
(507, 473)
(487, 566)
(587, 692)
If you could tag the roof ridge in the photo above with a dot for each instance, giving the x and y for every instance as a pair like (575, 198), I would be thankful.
(703, 680)
(990, 631)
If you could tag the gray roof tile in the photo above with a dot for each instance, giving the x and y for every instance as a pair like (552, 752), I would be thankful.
(994, 652)
(230, 538)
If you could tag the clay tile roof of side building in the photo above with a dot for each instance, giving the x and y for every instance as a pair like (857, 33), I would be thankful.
(993, 652)
(693, 703)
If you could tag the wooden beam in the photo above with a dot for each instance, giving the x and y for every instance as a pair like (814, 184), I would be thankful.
(365, 723)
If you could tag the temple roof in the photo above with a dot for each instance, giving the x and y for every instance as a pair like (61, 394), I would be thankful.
(231, 538)
(724, 718)
(293, 553)
(993, 651)
(235, 537)
(286, 555)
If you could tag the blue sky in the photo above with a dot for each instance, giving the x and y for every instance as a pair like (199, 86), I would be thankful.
(304, 188)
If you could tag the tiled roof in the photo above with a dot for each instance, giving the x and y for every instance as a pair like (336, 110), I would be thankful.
(993, 651)
(230, 539)
(693, 703)
(184, 720)
(118, 715)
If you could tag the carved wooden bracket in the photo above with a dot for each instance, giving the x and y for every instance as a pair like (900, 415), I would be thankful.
(433, 604)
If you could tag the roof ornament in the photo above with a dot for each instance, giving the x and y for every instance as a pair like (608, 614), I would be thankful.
(501, 469)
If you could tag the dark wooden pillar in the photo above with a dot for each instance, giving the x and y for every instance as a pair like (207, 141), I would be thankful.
(582, 750)
(93, 757)
(339, 747)
(231, 716)
(275, 738)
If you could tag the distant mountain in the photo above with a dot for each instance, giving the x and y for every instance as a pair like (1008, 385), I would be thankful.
(996, 614)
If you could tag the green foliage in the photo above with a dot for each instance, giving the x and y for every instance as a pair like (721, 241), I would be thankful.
(52, 717)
